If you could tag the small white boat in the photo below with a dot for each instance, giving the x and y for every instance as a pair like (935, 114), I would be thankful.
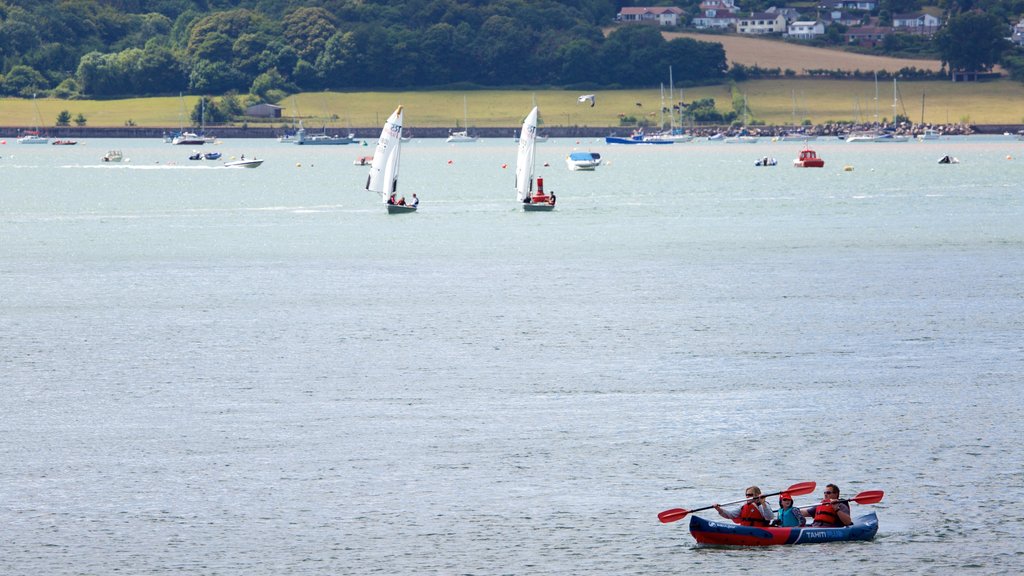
(243, 163)
(766, 161)
(583, 161)
(460, 136)
(113, 156)
(741, 139)
(929, 134)
(188, 138)
(33, 138)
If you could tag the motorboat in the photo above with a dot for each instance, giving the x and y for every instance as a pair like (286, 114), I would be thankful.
(33, 138)
(456, 136)
(708, 532)
(637, 137)
(808, 159)
(324, 139)
(113, 156)
(947, 159)
(211, 156)
(195, 155)
(188, 138)
(61, 142)
(766, 161)
(243, 163)
(583, 161)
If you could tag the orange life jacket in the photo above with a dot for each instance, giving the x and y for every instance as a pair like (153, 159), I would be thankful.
(751, 516)
(826, 514)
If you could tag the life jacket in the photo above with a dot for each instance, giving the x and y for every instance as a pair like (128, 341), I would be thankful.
(826, 514)
(751, 516)
(788, 517)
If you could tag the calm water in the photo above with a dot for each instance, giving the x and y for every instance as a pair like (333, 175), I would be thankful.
(214, 371)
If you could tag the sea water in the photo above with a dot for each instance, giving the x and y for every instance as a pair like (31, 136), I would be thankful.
(228, 371)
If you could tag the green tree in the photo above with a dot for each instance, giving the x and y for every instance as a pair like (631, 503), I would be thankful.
(80, 120)
(64, 118)
(23, 81)
(308, 30)
(971, 42)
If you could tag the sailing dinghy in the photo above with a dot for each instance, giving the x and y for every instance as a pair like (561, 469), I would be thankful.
(383, 177)
(531, 201)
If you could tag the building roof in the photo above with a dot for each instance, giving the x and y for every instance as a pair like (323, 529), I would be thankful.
(650, 10)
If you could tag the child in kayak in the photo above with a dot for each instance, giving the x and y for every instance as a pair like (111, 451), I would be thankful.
(788, 515)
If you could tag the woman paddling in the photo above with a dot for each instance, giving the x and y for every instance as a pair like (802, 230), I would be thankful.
(755, 512)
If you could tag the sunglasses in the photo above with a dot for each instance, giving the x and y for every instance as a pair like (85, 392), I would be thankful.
(826, 492)
(749, 495)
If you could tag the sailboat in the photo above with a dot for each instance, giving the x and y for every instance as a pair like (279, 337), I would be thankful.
(33, 136)
(531, 201)
(462, 135)
(383, 177)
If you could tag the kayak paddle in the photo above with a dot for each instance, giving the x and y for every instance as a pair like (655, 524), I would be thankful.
(798, 489)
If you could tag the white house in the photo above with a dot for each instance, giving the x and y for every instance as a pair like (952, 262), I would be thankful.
(1018, 33)
(761, 23)
(916, 23)
(866, 5)
(718, 19)
(806, 30)
(662, 15)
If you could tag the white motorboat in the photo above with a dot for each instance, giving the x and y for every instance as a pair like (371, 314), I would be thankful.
(243, 163)
(583, 161)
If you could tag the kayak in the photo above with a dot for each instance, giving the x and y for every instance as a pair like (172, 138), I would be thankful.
(730, 534)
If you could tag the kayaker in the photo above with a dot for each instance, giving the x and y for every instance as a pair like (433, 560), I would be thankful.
(756, 512)
(829, 513)
(787, 514)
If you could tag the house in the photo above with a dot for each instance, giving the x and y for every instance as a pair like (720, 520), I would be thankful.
(865, 5)
(264, 110)
(916, 23)
(761, 23)
(843, 17)
(718, 14)
(868, 36)
(791, 14)
(720, 20)
(661, 15)
(1018, 33)
(805, 30)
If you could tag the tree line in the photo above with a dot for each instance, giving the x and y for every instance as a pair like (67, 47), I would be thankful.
(268, 48)
(123, 48)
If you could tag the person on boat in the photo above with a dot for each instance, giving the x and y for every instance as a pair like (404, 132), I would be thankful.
(391, 199)
(787, 514)
(415, 200)
(829, 513)
(401, 201)
(755, 512)
(551, 199)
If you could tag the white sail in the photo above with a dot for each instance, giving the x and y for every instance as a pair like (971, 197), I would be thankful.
(524, 161)
(383, 177)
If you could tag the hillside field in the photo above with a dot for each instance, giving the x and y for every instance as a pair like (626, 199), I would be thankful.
(771, 101)
(750, 51)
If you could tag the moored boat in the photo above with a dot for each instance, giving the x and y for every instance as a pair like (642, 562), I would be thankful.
(766, 161)
(587, 161)
(638, 137)
(729, 534)
(113, 156)
(808, 159)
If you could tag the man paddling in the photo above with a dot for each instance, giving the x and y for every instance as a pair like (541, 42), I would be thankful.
(829, 513)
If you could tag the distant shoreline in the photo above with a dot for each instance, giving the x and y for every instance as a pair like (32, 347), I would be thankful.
(10, 134)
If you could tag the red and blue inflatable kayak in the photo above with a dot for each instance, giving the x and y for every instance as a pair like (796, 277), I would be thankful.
(729, 534)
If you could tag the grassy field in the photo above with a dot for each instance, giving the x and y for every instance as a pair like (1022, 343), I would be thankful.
(771, 101)
(751, 51)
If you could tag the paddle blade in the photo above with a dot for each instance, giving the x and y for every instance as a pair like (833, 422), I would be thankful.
(868, 497)
(672, 515)
(801, 488)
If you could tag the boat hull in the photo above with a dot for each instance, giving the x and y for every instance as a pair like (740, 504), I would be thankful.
(538, 207)
(620, 140)
(243, 164)
(729, 534)
(400, 209)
